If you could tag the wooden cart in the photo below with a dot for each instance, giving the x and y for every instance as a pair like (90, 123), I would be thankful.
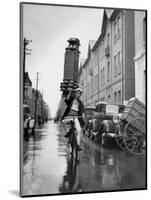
(131, 129)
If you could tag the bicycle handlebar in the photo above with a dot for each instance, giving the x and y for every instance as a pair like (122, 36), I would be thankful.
(73, 117)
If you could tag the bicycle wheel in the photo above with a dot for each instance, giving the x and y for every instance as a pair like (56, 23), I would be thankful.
(73, 143)
(135, 137)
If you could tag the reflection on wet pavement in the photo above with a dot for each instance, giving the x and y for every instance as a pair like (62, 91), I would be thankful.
(43, 167)
(49, 168)
(111, 169)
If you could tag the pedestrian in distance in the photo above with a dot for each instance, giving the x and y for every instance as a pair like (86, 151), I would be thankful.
(32, 125)
(26, 125)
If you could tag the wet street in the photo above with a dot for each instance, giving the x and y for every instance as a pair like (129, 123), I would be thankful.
(50, 169)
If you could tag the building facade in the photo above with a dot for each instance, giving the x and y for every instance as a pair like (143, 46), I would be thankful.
(140, 55)
(108, 73)
(27, 89)
(31, 96)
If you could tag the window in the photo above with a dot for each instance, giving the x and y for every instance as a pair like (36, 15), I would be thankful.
(97, 81)
(109, 98)
(119, 62)
(115, 97)
(115, 66)
(91, 85)
(144, 29)
(119, 97)
(108, 71)
(115, 31)
(103, 75)
(108, 39)
(119, 26)
(101, 78)
(87, 89)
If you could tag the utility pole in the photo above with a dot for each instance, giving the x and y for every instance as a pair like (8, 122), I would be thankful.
(42, 106)
(25, 52)
(26, 42)
(36, 95)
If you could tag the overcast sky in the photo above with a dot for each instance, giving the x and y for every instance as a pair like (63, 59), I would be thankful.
(49, 28)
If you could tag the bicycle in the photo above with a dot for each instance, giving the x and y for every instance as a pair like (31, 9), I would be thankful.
(69, 122)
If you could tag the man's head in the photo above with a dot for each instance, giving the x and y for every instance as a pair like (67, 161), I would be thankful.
(78, 93)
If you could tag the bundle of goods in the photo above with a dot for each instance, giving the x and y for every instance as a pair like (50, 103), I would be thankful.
(135, 109)
(68, 85)
(70, 80)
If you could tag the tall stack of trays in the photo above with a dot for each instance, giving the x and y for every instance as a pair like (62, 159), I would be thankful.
(71, 63)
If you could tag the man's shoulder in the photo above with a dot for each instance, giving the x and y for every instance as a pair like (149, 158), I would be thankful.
(80, 101)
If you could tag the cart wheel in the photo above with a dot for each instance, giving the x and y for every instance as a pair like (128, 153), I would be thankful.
(119, 139)
(135, 137)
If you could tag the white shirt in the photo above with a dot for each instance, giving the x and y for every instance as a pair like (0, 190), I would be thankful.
(31, 123)
(75, 105)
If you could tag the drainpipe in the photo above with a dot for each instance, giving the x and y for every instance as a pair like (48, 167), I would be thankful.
(98, 73)
(91, 61)
(122, 54)
(111, 65)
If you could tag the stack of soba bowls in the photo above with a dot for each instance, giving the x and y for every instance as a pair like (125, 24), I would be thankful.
(68, 85)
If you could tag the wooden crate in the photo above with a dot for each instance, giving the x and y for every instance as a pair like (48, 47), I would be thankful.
(135, 109)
